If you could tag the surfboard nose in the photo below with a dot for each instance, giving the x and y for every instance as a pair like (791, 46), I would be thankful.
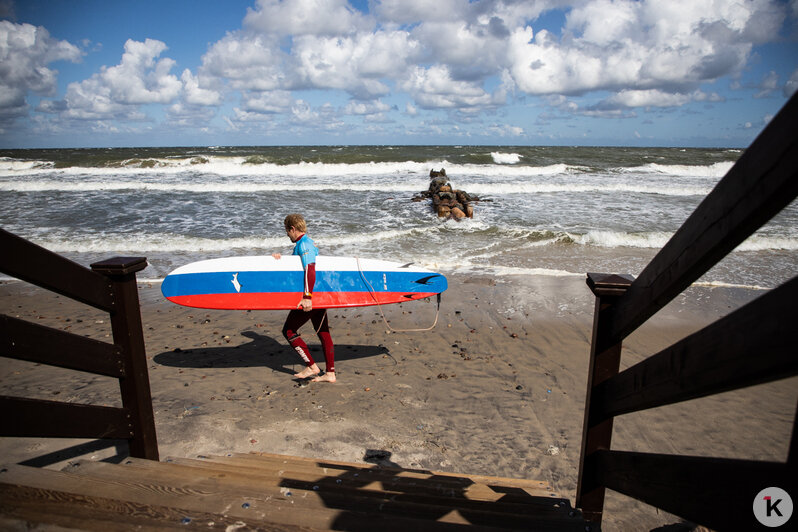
(436, 282)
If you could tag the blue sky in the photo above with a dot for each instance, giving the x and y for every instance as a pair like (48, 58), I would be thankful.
(87, 73)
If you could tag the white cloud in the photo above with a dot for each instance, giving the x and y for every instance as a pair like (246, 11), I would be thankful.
(434, 88)
(353, 64)
(768, 85)
(139, 78)
(248, 62)
(196, 95)
(305, 17)
(117, 91)
(366, 108)
(467, 57)
(413, 11)
(792, 84)
(25, 53)
(268, 102)
(629, 45)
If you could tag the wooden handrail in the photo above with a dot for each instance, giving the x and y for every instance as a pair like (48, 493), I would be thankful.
(27, 261)
(110, 286)
(759, 185)
(752, 345)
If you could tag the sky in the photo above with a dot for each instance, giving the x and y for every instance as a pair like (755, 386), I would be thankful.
(100, 73)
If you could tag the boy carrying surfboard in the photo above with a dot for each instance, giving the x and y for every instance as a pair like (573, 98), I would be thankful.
(305, 248)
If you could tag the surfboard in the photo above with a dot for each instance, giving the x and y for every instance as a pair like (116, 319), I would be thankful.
(266, 283)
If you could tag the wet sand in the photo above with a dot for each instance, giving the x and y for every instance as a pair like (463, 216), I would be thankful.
(496, 388)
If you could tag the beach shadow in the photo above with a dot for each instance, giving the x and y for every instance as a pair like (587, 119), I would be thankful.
(389, 490)
(80, 451)
(262, 351)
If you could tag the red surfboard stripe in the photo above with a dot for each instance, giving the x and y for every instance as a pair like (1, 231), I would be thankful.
(290, 300)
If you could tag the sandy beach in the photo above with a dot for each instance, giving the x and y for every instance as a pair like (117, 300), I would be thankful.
(496, 388)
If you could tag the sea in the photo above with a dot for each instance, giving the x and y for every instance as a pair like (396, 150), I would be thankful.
(545, 211)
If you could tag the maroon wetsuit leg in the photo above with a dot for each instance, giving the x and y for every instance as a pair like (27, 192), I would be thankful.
(296, 319)
(322, 327)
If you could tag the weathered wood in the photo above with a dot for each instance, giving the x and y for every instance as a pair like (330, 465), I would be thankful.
(363, 495)
(752, 345)
(38, 418)
(370, 483)
(605, 360)
(761, 183)
(257, 502)
(256, 458)
(29, 262)
(22, 340)
(128, 335)
(714, 492)
(101, 514)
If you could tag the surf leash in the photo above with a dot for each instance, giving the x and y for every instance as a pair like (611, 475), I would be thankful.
(371, 291)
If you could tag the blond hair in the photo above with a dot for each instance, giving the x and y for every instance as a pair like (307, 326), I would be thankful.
(296, 221)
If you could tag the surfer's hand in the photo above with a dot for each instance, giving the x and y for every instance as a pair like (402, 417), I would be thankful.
(276, 256)
(306, 305)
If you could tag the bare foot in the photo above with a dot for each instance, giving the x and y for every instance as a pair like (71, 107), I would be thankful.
(309, 371)
(327, 377)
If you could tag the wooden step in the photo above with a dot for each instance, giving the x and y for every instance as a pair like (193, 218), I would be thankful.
(273, 492)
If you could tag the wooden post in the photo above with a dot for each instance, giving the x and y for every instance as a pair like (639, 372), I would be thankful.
(604, 363)
(128, 335)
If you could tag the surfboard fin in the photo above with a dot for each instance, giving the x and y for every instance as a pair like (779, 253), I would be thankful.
(407, 265)
(426, 280)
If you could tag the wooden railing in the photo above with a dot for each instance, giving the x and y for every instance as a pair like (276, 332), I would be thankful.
(109, 286)
(753, 345)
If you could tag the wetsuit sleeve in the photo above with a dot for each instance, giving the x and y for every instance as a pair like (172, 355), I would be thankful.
(310, 280)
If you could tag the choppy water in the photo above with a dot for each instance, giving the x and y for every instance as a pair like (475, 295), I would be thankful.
(545, 210)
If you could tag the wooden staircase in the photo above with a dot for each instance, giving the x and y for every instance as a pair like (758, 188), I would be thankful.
(272, 492)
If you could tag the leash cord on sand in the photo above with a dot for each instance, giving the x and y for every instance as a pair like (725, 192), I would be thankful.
(373, 295)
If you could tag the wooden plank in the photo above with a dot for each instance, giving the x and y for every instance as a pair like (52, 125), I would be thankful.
(254, 458)
(23, 340)
(259, 506)
(34, 418)
(604, 363)
(35, 264)
(346, 480)
(100, 514)
(128, 335)
(367, 490)
(714, 492)
(762, 182)
(753, 345)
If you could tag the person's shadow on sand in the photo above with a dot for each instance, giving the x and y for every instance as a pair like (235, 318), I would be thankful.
(261, 351)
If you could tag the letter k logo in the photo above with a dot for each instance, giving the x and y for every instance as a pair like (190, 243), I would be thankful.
(772, 506)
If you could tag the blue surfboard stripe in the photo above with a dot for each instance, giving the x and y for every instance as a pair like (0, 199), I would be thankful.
(282, 281)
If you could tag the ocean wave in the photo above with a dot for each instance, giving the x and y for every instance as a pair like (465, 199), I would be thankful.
(53, 185)
(618, 239)
(259, 167)
(505, 158)
(494, 189)
(167, 243)
(767, 243)
(715, 170)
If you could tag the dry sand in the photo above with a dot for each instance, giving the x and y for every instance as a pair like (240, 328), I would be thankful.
(497, 388)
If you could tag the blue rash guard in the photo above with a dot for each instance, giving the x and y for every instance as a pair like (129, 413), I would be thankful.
(307, 251)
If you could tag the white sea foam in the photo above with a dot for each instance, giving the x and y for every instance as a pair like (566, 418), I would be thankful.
(715, 170)
(244, 167)
(505, 158)
(616, 239)
(51, 185)
(764, 243)
(553, 188)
